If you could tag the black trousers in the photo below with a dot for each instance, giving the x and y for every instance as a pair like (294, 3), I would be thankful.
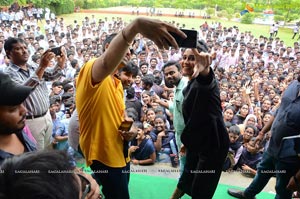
(202, 172)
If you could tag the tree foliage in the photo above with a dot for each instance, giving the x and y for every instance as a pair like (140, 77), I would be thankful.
(247, 18)
(288, 8)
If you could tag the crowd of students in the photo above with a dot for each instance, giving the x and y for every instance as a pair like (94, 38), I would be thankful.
(252, 74)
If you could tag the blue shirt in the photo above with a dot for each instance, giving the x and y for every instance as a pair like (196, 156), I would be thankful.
(146, 148)
(28, 145)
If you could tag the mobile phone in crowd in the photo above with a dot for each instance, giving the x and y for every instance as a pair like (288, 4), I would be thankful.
(56, 51)
(189, 42)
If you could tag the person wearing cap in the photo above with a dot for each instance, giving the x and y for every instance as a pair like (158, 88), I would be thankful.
(37, 104)
(13, 139)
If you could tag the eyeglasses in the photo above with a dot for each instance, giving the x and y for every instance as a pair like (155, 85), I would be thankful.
(85, 185)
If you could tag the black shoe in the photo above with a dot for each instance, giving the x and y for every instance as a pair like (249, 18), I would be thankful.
(238, 194)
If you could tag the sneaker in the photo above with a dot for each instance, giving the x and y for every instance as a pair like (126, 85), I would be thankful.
(238, 194)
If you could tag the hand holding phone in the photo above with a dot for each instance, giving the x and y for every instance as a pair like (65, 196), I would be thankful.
(56, 51)
(189, 42)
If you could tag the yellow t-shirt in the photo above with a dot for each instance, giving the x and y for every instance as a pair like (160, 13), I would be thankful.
(100, 109)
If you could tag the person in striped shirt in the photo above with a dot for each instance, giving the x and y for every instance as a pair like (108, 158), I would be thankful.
(37, 104)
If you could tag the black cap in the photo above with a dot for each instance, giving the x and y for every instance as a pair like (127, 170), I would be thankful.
(11, 92)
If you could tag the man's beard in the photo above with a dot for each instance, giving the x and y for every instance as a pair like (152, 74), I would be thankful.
(4, 130)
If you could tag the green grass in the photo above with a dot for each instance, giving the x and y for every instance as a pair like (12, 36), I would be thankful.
(285, 34)
(155, 187)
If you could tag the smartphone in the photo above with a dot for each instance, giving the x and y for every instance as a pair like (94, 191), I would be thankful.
(56, 51)
(189, 42)
(125, 125)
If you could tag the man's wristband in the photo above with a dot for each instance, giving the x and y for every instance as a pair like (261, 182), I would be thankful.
(138, 162)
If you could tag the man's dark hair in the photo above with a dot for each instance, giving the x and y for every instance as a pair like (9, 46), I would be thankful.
(8, 45)
(130, 93)
(35, 57)
(40, 183)
(74, 62)
(171, 63)
(144, 63)
(108, 39)
(130, 67)
(67, 87)
(57, 83)
(202, 46)
(148, 80)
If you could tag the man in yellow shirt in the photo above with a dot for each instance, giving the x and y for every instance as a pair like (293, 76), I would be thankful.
(101, 108)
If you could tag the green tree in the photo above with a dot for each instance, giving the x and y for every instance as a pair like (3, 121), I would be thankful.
(247, 18)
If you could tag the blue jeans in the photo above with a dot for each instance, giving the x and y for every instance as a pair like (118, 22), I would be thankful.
(269, 166)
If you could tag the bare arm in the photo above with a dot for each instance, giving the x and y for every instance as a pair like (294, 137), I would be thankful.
(150, 160)
(45, 62)
(158, 143)
(153, 29)
(265, 129)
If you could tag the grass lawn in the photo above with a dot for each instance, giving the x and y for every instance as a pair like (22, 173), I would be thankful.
(285, 34)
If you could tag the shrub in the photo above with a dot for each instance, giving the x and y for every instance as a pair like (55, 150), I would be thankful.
(247, 18)
(79, 3)
(66, 7)
(222, 13)
(278, 18)
(210, 11)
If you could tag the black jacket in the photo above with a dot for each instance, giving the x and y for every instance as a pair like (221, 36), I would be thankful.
(202, 112)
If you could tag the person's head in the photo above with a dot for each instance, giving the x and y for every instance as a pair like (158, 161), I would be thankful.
(144, 68)
(266, 118)
(147, 81)
(132, 113)
(244, 110)
(16, 50)
(127, 73)
(138, 78)
(57, 87)
(250, 146)
(227, 125)
(160, 123)
(108, 40)
(153, 63)
(266, 105)
(172, 73)
(234, 133)
(139, 128)
(68, 88)
(146, 97)
(74, 63)
(228, 113)
(250, 131)
(41, 182)
(188, 58)
(12, 111)
(150, 114)
(251, 119)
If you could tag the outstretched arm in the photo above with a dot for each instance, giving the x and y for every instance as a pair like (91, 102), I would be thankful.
(153, 29)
